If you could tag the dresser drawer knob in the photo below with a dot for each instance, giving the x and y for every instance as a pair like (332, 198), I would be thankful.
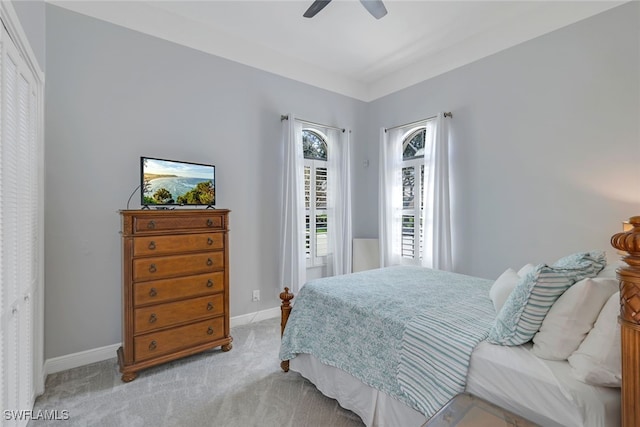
(210, 331)
(209, 222)
(153, 292)
(209, 283)
(209, 241)
(153, 345)
(151, 225)
(152, 268)
(209, 262)
(153, 318)
(152, 245)
(210, 306)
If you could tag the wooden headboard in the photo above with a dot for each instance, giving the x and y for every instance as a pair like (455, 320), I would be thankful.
(629, 277)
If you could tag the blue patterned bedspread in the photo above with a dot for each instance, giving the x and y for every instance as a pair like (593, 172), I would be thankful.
(407, 331)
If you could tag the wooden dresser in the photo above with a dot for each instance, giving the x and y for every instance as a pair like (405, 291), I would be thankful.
(175, 294)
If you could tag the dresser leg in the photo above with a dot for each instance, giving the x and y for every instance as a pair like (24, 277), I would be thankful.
(127, 377)
(227, 347)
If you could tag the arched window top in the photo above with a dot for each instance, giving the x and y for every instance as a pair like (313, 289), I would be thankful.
(314, 145)
(413, 144)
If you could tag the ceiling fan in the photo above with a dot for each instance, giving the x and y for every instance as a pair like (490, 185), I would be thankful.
(375, 8)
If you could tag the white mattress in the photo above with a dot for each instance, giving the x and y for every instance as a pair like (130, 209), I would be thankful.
(511, 377)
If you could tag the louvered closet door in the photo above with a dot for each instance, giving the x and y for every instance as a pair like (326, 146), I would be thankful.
(18, 230)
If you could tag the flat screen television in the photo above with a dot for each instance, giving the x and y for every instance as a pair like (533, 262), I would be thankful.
(171, 182)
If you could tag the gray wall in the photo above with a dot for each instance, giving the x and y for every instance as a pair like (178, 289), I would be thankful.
(32, 18)
(546, 134)
(546, 144)
(114, 95)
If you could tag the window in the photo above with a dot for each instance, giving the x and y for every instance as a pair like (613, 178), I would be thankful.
(413, 176)
(316, 208)
(414, 195)
(314, 145)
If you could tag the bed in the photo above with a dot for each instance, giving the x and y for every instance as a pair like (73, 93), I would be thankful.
(384, 378)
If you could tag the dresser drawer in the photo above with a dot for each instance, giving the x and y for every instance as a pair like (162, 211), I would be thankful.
(176, 265)
(163, 245)
(158, 291)
(160, 343)
(150, 223)
(163, 315)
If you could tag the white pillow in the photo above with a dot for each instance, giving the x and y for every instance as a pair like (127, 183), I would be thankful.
(525, 269)
(502, 287)
(598, 359)
(571, 318)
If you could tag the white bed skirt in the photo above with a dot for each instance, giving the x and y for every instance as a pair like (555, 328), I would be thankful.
(376, 408)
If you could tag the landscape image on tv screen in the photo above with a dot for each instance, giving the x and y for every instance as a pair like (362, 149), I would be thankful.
(170, 182)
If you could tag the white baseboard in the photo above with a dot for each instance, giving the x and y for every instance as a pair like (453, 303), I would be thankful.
(257, 316)
(74, 360)
(70, 361)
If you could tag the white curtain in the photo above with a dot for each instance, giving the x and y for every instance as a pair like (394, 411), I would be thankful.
(339, 201)
(436, 218)
(292, 262)
(390, 197)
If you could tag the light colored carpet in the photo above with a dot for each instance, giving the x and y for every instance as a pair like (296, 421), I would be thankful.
(242, 387)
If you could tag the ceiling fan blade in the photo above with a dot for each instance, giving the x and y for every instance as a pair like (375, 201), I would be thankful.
(375, 7)
(316, 7)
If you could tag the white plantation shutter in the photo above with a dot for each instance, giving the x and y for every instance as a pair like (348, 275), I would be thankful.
(307, 209)
(315, 196)
(20, 228)
(321, 211)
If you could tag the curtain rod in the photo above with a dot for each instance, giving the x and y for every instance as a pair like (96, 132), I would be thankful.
(283, 117)
(447, 114)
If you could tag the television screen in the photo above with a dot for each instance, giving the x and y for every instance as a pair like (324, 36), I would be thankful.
(171, 182)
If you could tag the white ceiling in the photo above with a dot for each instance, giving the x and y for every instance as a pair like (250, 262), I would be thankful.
(343, 48)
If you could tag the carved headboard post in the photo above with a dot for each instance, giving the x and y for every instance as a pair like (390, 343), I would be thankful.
(629, 277)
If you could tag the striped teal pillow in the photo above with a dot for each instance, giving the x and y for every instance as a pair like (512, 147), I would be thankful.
(596, 259)
(525, 309)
